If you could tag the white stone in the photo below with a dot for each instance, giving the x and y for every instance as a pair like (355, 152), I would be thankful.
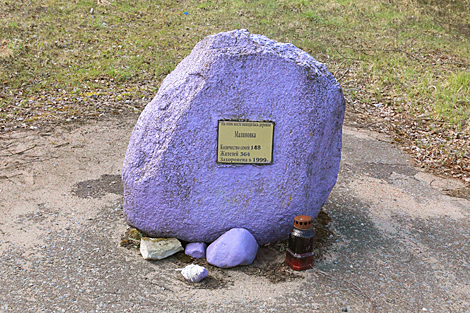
(194, 273)
(159, 248)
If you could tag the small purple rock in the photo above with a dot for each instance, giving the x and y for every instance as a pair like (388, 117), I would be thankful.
(235, 247)
(196, 250)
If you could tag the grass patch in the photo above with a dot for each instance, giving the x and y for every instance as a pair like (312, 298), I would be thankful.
(453, 98)
(411, 55)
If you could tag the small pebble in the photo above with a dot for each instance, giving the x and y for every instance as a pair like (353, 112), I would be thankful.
(194, 273)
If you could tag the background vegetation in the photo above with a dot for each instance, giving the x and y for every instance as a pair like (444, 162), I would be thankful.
(403, 64)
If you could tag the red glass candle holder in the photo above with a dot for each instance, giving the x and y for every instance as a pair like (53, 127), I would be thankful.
(299, 252)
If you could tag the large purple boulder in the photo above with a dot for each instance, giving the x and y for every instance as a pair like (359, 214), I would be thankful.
(173, 186)
(235, 247)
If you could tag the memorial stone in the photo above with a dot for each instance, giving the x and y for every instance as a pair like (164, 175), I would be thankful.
(244, 133)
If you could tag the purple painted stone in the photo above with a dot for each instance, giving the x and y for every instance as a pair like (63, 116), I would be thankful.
(196, 250)
(173, 186)
(235, 247)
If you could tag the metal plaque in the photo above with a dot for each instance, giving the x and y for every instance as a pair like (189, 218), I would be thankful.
(242, 142)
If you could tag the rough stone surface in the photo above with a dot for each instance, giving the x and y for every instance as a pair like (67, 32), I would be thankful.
(194, 273)
(235, 247)
(170, 171)
(196, 250)
(159, 248)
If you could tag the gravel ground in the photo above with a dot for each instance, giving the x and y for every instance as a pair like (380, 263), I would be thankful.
(398, 242)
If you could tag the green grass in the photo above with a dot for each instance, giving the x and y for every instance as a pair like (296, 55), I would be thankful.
(453, 98)
(413, 55)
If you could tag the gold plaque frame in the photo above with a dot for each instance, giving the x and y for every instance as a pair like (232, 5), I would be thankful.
(245, 142)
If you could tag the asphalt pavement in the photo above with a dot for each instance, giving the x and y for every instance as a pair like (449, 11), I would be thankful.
(394, 240)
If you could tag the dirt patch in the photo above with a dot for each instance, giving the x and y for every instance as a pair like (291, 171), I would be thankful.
(269, 262)
(5, 52)
(97, 188)
(210, 282)
(463, 193)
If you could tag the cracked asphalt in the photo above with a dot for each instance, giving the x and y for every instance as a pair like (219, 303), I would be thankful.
(399, 242)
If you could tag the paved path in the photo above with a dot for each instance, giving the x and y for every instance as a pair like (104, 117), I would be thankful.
(399, 243)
